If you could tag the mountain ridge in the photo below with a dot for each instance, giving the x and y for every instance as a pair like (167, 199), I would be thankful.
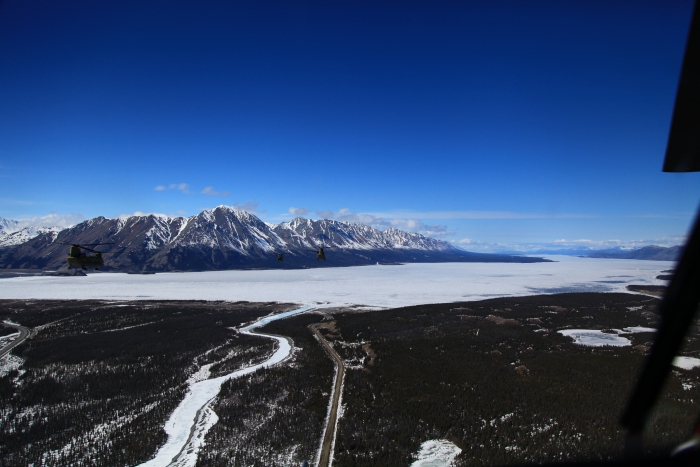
(229, 238)
(649, 253)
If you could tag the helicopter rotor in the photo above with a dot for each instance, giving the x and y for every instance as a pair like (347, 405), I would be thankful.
(85, 246)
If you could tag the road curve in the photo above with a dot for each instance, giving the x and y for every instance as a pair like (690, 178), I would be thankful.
(327, 445)
(23, 335)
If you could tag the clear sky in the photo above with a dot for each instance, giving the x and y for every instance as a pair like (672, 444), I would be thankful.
(482, 123)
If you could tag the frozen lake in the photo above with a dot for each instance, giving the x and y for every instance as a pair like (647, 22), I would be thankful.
(378, 286)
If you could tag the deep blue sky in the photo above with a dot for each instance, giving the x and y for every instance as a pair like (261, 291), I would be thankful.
(498, 122)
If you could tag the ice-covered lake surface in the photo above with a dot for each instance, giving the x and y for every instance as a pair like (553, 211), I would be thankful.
(378, 286)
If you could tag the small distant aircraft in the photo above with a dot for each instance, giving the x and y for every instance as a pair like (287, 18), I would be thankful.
(76, 257)
(280, 257)
(320, 254)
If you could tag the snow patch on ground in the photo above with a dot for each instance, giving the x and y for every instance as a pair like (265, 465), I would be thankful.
(4, 340)
(436, 453)
(9, 363)
(593, 338)
(687, 363)
(192, 419)
(636, 329)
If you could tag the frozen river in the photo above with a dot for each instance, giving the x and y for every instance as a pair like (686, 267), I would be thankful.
(192, 419)
(378, 286)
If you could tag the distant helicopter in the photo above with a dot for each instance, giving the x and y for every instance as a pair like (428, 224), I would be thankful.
(320, 254)
(280, 257)
(77, 258)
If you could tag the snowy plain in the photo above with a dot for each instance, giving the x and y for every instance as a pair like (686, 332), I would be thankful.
(375, 286)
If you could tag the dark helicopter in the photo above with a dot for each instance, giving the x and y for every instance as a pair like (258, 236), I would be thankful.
(76, 257)
(280, 257)
(320, 254)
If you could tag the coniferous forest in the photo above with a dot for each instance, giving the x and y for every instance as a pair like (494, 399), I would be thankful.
(96, 382)
(495, 378)
(99, 379)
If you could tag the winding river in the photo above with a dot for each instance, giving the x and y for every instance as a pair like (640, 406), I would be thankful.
(193, 417)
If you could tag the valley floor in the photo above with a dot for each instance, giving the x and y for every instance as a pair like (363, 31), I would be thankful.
(98, 380)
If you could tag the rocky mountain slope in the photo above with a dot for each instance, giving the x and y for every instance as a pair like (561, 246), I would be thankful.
(229, 238)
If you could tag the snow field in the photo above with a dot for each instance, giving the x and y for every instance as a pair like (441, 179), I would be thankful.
(377, 286)
(687, 363)
(594, 338)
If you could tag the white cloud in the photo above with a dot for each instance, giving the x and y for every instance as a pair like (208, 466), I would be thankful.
(183, 187)
(411, 225)
(51, 220)
(416, 225)
(477, 215)
(563, 244)
(211, 192)
(141, 214)
(298, 211)
(249, 206)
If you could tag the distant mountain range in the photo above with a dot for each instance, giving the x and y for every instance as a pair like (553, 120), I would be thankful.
(23, 235)
(229, 238)
(7, 226)
(651, 252)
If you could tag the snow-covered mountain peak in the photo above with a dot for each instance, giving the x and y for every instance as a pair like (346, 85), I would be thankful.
(227, 238)
(8, 226)
(301, 232)
(240, 213)
(27, 233)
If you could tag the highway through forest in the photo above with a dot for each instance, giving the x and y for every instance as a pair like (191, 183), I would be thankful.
(24, 333)
(327, 445)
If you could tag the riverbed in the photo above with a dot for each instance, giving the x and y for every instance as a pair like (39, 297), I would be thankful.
(193, 417)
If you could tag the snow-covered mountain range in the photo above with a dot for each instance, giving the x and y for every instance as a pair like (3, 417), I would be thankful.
(7, 226)
(230, 238)
(24, 234)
